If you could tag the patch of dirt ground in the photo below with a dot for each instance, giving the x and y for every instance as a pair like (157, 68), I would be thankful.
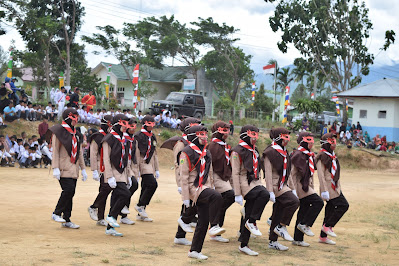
(367, 235)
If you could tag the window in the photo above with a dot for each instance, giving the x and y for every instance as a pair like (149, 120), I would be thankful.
(199, 100)
(121, 89)
(189, 100)
(363, 114)
(382, 114)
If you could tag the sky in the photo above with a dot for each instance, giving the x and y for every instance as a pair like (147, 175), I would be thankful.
(251, 17)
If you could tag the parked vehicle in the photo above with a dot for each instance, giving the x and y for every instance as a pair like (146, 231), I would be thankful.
(181, 104)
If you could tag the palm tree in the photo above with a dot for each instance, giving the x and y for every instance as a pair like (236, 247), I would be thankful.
(284, 78)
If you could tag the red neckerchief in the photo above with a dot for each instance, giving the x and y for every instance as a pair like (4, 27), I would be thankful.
(184, 136)
(149, 135)
(311, 155)
(122, 142)
(130, 139)
(201, 159)
(226, 148)
(102, 132)
(333, 167)
(74, 150)
(283, 153)
(254, 156)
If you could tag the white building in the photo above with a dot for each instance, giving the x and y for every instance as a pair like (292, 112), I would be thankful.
(164, 80)
(376, 107)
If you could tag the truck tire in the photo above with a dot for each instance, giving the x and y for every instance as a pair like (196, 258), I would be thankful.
(198, 115)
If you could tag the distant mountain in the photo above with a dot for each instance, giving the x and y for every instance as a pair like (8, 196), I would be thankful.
(376, 73)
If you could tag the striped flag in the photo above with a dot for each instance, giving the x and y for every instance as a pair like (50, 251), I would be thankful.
(136, 74)
(61, 79)
(286, 104)
(269, 69)
(312, 96)
(335, 99)
(108, 82)
(347, 107)
(253, 91)
(9, 70)
(135, 81)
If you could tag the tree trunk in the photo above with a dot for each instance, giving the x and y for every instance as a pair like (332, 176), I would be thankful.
(68, 65)
(47, 66)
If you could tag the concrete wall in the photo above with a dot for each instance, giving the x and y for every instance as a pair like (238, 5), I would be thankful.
(388, 126)
(373, 106)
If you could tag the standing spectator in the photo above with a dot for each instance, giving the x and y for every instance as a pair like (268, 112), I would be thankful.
(89, 100)
(60, 101)
(43, 127)
(9, 112)
(74, 99)
(358, 127)
(231, 127)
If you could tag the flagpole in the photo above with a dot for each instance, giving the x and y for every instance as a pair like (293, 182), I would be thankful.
(274, 98)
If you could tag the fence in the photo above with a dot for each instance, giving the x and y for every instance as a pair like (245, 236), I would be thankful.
(235, 115)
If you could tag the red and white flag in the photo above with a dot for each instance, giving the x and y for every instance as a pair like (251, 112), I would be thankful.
(312, 96)
(136, 74)
(269, 69)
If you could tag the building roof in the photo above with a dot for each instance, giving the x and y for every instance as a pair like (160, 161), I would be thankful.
(166, 74)
(383, 88)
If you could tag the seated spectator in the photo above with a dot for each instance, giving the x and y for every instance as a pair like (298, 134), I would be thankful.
(5, 158)
(348, 135)
(349, 144)
(10, 113)
(33, 156)
(140, 115)
(2, 125)
(367, 137)
(358, 126)
(40, 112)
(45, 151)
(24, 161)
(391, 147)
(5, 143)
(166, 122)
(377, 142)
(157, 119)
(20, 109)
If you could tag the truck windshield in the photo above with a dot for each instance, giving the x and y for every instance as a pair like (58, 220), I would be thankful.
(175, 97)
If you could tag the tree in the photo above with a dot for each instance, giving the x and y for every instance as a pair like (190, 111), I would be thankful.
(228, 73)
(3, 61)
(306, 105)
(81, 78)
(226, 65)
(168, 37)
(71, 13)
(284, 78)
(38, 29)
(262, 102)
(330, 34)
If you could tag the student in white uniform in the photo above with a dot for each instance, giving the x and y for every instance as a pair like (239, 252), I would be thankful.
(60, 101)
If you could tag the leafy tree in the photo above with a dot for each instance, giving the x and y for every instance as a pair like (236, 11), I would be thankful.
(262, 101)
(326, 102)
(306, 105)
(284, 78)
(71, 13)
(331, 34)
(228, 73)
(227, 66)
(168, 37)
(81, 78)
